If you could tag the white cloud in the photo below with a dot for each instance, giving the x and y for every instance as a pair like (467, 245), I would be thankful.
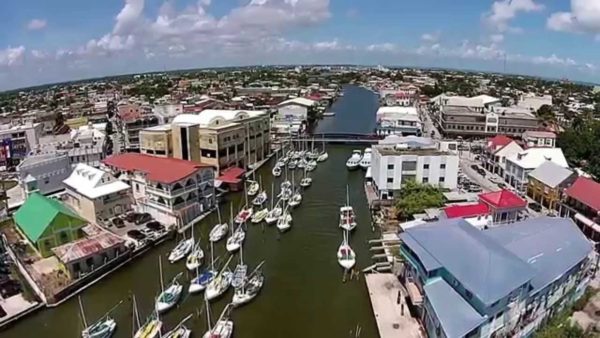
(497, 38)
(382, 47)
(504, 11)
(430, 37)
(584, 17)
(554, 60)
(12, 56)
(36, 24)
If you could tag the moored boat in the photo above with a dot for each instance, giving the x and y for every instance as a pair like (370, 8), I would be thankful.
(354, 160)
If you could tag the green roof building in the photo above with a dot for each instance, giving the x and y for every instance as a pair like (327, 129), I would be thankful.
(47, 223)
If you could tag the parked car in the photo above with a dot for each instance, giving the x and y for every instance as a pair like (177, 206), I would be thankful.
(155, 225)
(475, 167)
(535, 206)
(136, 234)
(143, 218)
(118, 222)
(131, 217)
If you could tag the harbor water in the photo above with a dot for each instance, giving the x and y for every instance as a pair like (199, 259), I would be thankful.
(304, 294)
(354, 112)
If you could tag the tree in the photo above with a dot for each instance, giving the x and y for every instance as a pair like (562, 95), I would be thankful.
(416, 197)
(545, 113)
(59, 119)
(109, 128)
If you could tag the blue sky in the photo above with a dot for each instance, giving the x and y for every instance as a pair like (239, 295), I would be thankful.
(47, 41)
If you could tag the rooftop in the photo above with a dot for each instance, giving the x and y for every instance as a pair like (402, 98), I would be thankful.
(396, 110)
(302, 101)
(586, 191)
(86, 247)
(533, 157)
(498, 142)
(391, 150)
(159, 169)
(92, 182)
(467, 210)
(551, 174)
(539, 134)
(214, 117)
(503, 199)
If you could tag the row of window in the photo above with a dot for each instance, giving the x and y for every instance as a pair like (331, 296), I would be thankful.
(410, 166)
(406, 178)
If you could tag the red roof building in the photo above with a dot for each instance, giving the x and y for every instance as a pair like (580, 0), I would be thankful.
(498, 142)
(159, 169)
(582, 203)
(586, 191)
(504, 205)
(467, 211)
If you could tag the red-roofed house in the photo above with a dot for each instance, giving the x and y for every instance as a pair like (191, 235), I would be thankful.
(477, 214)
(497, 149)
(504, 205)
(173, 191)
(581, 201)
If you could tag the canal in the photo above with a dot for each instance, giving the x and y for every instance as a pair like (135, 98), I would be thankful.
(303, 296)
(354, 112)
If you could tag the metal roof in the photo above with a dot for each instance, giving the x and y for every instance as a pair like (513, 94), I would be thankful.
(480, 264)
(551, 174)
(549, 245)
(454, 313)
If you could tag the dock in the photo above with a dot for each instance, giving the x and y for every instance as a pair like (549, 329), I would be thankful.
(392, 322)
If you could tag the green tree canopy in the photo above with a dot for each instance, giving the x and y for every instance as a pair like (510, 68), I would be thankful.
(416, 197)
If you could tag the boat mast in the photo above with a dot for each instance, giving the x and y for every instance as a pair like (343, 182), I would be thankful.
(82, 313)
(231, 217)
(212, 258)
(162, 286)
(136, 316)
(272, 194)
(219, 214)
(347, 196)
(208, 315)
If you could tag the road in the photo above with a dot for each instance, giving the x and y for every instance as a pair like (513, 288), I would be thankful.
(428, 125)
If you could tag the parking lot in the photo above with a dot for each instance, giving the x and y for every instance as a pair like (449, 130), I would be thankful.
(135, 227)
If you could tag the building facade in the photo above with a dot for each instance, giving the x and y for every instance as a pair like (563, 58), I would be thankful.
(519, 165)
(496, 151)
(580, 202)
(17, 140)
(175, 192)
(44, 173)
(398, 120)
(547, 183)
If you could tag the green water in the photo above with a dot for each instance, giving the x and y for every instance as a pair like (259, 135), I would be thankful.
(303, 296)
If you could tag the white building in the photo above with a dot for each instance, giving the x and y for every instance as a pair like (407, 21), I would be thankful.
(17, 140)
(539, 139)
(533, 102)
(518, 166)
(393, 165)
(44, 173)
(292, 114)
(398, 121)
(174, 192)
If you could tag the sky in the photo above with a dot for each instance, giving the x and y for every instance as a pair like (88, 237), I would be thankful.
(45, 41)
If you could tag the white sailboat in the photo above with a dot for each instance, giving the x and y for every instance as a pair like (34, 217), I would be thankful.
(284, 222)
(194, 259)
(104, 327)
(237, 238)
(296, 198)
(347, 216)
(276, 210)
(218, 231)
(253, 188)
(220, 283)
(260, 199)
(345, 255)
(203, 278)
(239, 274)
(354, 160)
(182, 249)
(365, 162)
(276, 170)
(180, 331)
(306, 180)
(251, 288)
(323, 156)
(259, 216)
(152, 326)
(168, 297)
(223, 328)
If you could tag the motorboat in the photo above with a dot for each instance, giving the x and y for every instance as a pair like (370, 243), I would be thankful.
(104, 327)
(365, 162)
(219, 230)
(169, 297)
(194, 259)
(199, 283)
(182, 249)
(354, 160)
(223, 328)
(251, 288)
(235, 241)
(345, 255)
(347, 216)
(253, 188)
(259, 216)
(243, 215)
(260, 199)
(180, 331)
(277, 171)
(220, 283)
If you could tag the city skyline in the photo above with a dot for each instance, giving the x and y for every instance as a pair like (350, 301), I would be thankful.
(47, 43)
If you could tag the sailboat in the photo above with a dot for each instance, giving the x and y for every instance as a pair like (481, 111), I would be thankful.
(345, 255)
(276, 170)
(284, 222)
(223, 328)
(323, 156)
(306, 180)
(237, 238)
(194, 259)
(218, 231)
(312, 165)
(151, 327)
(296, 196)
(347, 216)
(220, 283)
(182, 249)
(260, 215)
(170, 296)
(251, 288)
(180, 331)
(239, 274)
(253, 188)
(244, 214)
(102, 328)
(260, 199)
(276, 210)
(205, 276)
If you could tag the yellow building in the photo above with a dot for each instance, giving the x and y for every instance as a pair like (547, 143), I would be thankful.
(220, 138)
(546, 183)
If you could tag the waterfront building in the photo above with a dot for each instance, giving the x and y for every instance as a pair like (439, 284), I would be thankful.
(504, 205)
(503, 281)
(394, 164)
(497, 149)
(519, 165)
(539, 139)
(220, 138)
(95, 194)
(47, 223)
(398, 120)
(292, 114)
(17, 140)
(546, 183)
(173, 191)
(470, 122)
(44, 173)
(132, 119)
(580, 202)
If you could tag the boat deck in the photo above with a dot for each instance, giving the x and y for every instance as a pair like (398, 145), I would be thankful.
(391, 322)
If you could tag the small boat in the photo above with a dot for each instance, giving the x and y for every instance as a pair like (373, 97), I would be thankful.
(204, 277)
(102, 328)
(328, 114)
(260, 199)
(345, 255)
(306, 182)
(151, 327)
(253, 188)
(311, 166)
(347, 216)
(169, 296)
(194, 259)
(365, 162)
(235, 241)
(323, 157)
(223, 328)
(284, 222)
(251, 288)
(220, 283)
(296, 199)
(277, 170)
(301, 164)
(292, 164)
(240, 272)
(259, 216)
(219, 230)
(243, 215)
(286, 185)
(285, 194)
(182, 249)
(180, 331)
(354, 160)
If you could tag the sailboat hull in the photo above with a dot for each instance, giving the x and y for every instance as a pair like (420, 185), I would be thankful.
(223, 329)
(100, 330)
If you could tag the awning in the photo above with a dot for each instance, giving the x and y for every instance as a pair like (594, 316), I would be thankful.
(588, 222)
(231, 175)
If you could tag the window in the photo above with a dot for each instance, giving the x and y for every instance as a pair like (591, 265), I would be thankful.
(425, 179)
(442, 179)
(409, 165)
(390, 167)
(425, 166)
(468, 294)
(443, 166)
(390, 180)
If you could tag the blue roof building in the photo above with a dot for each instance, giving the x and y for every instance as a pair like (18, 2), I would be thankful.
(499, 281)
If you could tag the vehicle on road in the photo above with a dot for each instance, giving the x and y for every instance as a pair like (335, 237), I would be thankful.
(535, 206)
